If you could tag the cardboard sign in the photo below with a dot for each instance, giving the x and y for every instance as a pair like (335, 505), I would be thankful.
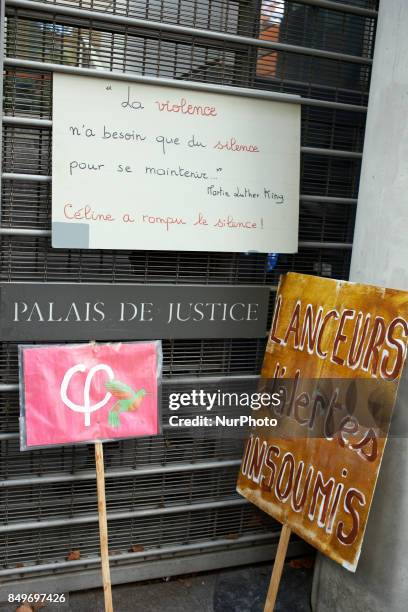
(88, 392)
(335, 352)
(140, 166)
(57, 311)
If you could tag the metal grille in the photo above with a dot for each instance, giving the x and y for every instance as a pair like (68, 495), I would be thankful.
(174, 494)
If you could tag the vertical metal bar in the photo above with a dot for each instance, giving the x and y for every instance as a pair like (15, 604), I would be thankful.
(2, 38)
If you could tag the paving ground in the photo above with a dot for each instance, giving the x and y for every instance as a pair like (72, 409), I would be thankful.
(231, 590)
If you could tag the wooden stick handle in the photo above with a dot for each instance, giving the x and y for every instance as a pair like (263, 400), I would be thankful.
(103, 526)
(277, 569)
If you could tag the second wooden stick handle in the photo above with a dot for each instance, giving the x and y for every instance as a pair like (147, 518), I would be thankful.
(277, 569)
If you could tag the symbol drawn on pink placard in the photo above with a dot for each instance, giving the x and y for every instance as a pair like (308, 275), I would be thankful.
(87, 407)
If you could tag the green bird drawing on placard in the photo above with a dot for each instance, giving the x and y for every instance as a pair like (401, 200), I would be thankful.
(128, 400)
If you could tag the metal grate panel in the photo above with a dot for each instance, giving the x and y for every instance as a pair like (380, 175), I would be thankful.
(54, 544)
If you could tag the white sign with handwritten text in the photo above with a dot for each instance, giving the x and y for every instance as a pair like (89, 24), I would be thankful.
(140, 166)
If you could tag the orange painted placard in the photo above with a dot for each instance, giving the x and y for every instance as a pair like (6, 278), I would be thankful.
(335, 354)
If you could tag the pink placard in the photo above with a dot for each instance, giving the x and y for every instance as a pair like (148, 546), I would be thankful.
(86, 392)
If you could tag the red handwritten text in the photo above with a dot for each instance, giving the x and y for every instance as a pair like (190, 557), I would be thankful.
(185, 108)
(232, 223)
(201, 220)
(86, 212)
(233, 145)
(167, 221)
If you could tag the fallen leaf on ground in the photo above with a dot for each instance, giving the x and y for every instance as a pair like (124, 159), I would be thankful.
(136, 548)
(74, 555)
